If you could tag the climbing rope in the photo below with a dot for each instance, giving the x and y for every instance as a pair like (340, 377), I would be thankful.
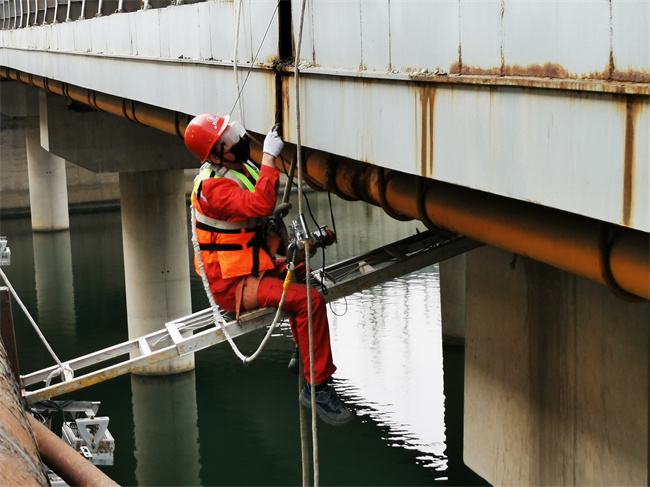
(237, 22)
(235, 64)
(298, 44)
(217, 316)
(64, 370)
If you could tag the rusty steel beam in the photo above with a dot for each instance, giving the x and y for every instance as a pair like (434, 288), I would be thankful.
(19, 460)
(615, 256)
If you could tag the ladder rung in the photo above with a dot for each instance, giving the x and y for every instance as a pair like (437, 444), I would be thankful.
(173, 333)
(145, 349)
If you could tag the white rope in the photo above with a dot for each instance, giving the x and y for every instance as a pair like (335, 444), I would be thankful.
(307, 252)
(218, 318)
(237, 23)
(63, 369)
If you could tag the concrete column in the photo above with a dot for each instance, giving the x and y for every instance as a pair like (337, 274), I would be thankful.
(159, 460)
(156, 263)
(452, 299)
(48, 192)
(556, 377)
(54, 284)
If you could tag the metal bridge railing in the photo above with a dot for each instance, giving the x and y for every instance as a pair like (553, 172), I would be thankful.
(20, 14)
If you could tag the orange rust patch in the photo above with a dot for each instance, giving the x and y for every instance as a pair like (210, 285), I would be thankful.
(474, 71)
(548, 70)
(631, 76)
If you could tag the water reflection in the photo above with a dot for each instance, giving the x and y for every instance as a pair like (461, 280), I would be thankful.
(166, 431)
(226, 424)
(387, 344)
(54, 283)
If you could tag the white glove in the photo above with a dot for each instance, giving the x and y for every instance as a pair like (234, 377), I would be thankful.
(273, 143)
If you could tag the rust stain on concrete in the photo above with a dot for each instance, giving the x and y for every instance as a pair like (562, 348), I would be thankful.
(427, 109)
(632, 109)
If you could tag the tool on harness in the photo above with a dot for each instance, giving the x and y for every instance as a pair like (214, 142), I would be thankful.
(301, 235)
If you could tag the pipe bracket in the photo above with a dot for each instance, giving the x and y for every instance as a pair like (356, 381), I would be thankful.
(606, 240)
(381, 183)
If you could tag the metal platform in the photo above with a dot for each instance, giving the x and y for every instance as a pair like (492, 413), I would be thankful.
(199, 331)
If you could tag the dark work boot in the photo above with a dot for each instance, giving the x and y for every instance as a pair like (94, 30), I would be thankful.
(328, 405)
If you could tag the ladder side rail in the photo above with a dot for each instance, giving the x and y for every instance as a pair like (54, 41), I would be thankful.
(410, 264)
(200, 318)
(408, 245)
(199, 341)
(103, 355)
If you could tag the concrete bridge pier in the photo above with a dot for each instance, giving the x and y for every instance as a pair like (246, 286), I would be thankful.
(556, 377)
(156, 267)
(452, 299)
(154, 209)
(48, 191)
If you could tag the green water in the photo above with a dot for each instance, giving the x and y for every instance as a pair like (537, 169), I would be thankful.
(226, 424)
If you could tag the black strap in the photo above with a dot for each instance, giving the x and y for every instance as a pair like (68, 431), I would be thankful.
(257, 242)
(215, 247)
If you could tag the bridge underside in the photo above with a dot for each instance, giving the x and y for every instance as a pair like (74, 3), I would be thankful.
(548, 167)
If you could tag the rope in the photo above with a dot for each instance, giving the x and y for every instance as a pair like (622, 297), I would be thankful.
(237, 22)
(239, 91)
(63, 369)
(218, 318)
(307, 264)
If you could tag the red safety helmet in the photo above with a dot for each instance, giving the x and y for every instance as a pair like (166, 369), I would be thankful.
(202, 133)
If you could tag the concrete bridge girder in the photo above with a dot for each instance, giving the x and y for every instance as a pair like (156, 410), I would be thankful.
(615, 256)
(102, 142)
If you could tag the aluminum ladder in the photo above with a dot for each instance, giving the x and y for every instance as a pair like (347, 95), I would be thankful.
(199, 331)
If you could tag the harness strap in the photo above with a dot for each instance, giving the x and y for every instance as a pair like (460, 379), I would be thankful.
(246, 293)
(224, 226)
(257, 243)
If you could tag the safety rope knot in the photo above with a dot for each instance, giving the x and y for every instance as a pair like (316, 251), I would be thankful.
(64, 371)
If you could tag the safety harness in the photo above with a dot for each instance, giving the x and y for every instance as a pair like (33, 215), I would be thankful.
(230, 243)
(235, 245)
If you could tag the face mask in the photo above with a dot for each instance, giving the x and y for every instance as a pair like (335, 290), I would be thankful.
(241, 149)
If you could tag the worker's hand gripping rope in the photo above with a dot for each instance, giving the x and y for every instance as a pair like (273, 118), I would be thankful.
(273, 143)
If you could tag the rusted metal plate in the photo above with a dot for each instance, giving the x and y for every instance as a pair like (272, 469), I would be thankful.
(19, 460)
(574, 151)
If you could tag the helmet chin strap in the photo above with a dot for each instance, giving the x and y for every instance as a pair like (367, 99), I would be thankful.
(221, 153)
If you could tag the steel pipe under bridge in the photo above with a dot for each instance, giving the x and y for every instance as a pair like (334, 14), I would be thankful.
(616, 256)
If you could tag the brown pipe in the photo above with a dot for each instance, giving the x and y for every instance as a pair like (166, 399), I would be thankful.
(615, 256)
(564, 240)
(65, 461)
(141, 113)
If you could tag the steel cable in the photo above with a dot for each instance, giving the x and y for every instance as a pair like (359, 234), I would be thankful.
(63, 368)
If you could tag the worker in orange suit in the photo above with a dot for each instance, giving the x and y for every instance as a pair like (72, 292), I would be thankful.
(233, 198)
